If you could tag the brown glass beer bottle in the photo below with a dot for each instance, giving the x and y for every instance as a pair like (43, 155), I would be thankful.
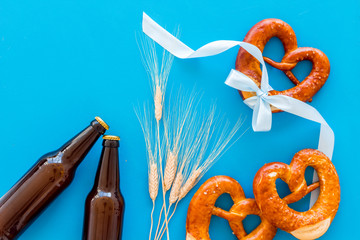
(104, 206)
(45, 181)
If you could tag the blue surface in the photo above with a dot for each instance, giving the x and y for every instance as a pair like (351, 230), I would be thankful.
(64, 62)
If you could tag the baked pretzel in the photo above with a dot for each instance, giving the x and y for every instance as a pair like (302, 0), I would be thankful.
(202, 207)
(259, 35)
(303, 225)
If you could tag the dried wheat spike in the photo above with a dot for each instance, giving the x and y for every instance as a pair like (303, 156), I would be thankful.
(153, 181)
(170, 170)
(158, 103)
(190, 183)
(175, 190)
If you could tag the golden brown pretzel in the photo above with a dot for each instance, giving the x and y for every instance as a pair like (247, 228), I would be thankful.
(202, 207)
(259, 35)
(303, 225)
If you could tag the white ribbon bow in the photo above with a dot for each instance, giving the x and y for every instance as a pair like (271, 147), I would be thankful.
(262, 115)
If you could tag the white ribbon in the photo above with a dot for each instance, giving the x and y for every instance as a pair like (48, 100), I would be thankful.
(262, 115)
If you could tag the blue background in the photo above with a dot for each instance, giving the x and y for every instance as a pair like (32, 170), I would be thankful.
(64, 62)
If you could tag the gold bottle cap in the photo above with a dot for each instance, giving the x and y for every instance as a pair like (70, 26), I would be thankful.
(102, 123)
(111, 137)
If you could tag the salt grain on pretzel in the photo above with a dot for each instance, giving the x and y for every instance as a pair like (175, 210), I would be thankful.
(313, 223)
(202, 207)
(259, 35)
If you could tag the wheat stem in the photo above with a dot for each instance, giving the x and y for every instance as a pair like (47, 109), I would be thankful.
(152, 219)
(172, 214)
(162, 177)
(158, 224)
(158, 103)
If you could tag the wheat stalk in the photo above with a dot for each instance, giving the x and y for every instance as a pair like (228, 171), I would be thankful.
(158, 76)
(153, 173)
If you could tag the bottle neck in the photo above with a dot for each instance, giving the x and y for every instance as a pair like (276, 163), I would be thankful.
(75, 150)
(107, 176)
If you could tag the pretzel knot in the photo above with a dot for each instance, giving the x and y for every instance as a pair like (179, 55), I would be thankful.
(303, 225)
(259, 35)
(202, 207)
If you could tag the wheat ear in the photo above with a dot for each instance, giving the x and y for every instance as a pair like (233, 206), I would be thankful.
(190, 183)
(153, 181)
(170, 170)
(175, 190)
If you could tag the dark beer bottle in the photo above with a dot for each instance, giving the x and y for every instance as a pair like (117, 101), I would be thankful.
(104, 206)
(45, 181)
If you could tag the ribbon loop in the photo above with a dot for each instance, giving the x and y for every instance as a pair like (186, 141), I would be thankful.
(239, 80)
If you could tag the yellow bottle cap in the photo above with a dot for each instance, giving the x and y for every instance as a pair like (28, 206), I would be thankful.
(111, 137)
(102, 123)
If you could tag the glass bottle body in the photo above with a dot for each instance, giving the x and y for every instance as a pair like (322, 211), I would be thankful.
(104, 206)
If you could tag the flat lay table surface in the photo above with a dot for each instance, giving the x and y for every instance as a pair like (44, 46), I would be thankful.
(64, 62)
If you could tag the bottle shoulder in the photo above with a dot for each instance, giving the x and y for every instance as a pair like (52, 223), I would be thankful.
(56, 159)
(49, 169)
(99, 194)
